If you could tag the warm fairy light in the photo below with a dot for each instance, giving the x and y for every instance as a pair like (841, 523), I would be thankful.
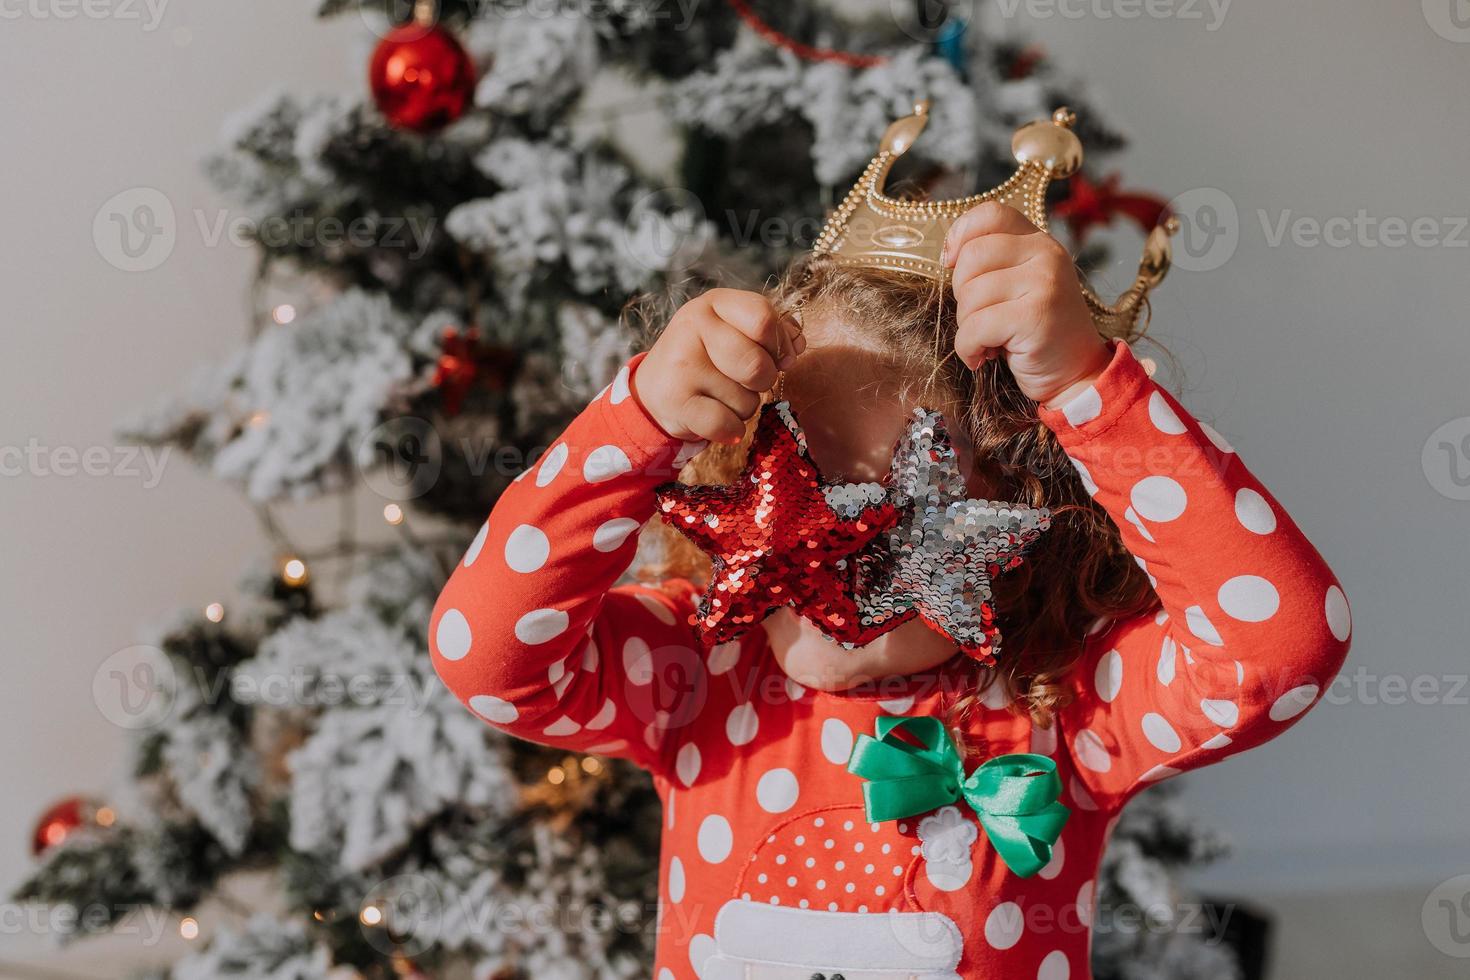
(284, 313)
(591, 766)
(214, 612)
(319, 915)
(1149, 365)
(105, 817)
(556, 776)
(293, 572)
(189, 927)
(257, 419)
(371, 915)
(393, 514)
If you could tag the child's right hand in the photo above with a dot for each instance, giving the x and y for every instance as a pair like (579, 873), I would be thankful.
(704, 376)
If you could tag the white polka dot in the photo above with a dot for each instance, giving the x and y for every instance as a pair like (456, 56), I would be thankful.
(723, 657)
(776, 791)
(590, 655)
(556, 671)
(676, 880)
(561, 728)
(637, 661)
(473, 551)
(794, 691)
(1168, 660)
(1084, 903)
(1158, 498)
(618, 392)
(1054, 967)
(996, 697)
(1294, 702)
(1160, 734)
(1004, 925)
(1159, 772)
(1058, 858)
(715, 838)
(1199, 624)
(551, 464)
(1090, 752)
(1083, 407)
(661, 611)
(540, 625)
(1080, 796)
(527, 549)
(701, 948)
(604, 463)
(491, 708)
(1132, 517)
(1223, 713)
(1108, 677)
(1339, 616)
(1217, 742)
(1163, 416)
(666, 974)
(741, 726)
(1249, 598)
(1254, 512)
(610, 535)
(687, 763)
(1085, 475)
(836, 742)
(1043, 740)
(604, 717)
(1216, 438)
(452, 636)
(897, 706)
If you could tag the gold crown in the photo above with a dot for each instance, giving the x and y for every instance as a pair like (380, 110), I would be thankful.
(874, 230)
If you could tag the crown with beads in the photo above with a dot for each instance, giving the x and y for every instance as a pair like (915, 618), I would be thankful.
(871, 229)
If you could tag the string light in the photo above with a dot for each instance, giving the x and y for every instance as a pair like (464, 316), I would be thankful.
(189, 927)
(294, 572)
(105, 817)
(556, 776)
(371, 915)
(591, 766)
(214, 612)
(283, 314)
(393, 514)
(258, 419)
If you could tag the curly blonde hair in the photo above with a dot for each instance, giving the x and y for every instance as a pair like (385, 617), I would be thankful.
(1076, 574)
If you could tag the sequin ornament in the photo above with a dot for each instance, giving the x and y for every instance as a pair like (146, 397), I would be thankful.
(778, 536)
(938, 560)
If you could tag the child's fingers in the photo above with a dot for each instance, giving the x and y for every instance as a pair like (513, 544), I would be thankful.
(991, 253)
(740, 358)
(795, 342)
(734, 396)
(988, 330)
(710, 419)
(990, 289)
(750, 313)
(989, 218)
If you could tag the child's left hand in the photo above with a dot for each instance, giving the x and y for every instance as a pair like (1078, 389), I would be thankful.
(1017, 294)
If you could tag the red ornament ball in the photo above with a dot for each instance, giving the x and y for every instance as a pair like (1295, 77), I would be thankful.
(422, 78)
(63, 818)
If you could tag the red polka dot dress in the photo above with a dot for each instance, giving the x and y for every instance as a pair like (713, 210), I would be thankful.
(769, 869)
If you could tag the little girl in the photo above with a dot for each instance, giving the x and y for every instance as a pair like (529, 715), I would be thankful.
(1172, 616)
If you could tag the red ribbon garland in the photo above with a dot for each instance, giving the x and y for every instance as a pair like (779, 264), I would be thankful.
(804, 51)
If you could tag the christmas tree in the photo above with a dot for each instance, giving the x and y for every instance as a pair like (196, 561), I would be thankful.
(473, 228)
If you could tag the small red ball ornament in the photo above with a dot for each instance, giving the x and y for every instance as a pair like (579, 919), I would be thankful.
(63, 818)
(422, 78)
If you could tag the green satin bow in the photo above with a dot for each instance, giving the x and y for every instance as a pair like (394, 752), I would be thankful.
(1015, 796)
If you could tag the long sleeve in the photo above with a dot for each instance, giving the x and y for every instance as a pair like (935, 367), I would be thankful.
(1254, 627)
(530, 632)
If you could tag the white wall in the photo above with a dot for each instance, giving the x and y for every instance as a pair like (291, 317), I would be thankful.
(1327, 367)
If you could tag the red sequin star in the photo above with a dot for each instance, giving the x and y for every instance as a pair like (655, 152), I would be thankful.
(778, 536)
